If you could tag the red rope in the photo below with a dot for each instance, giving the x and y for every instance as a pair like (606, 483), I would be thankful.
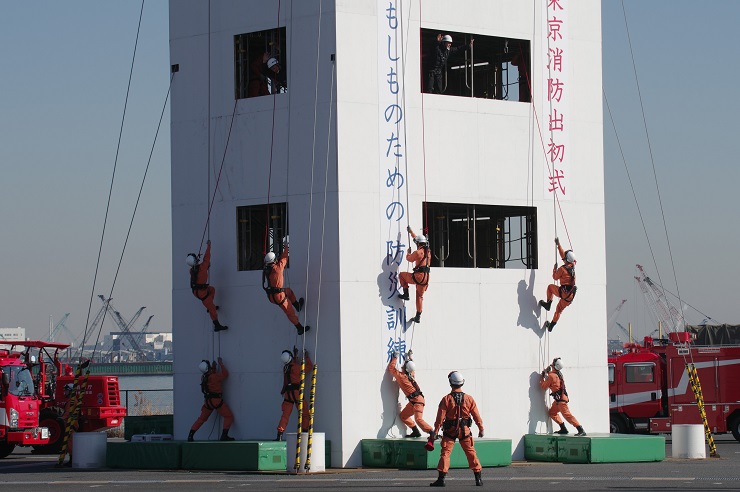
(272, 146)
(425, 229)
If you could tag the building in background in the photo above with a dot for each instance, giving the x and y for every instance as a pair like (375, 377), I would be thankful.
(340, 151)
(18, 333)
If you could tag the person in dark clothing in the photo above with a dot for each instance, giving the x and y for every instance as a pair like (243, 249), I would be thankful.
(442, 52)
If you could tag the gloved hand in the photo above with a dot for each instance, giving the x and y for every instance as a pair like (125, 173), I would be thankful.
(544, 373)
(408, 355)
(396, 354)
(220, 360)
(480, 432)
(408, 229)
(286, 240)
(555, 267)
(557, 241)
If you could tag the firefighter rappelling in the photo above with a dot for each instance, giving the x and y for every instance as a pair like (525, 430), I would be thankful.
(200, 287)
(211, 386)
(422, 259)
(566, 291)
(406, 380)
(552, 379)
(273, 284)
(291, 390)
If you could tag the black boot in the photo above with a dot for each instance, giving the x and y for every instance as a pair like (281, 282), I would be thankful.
(405, 295)
(301, 329)
(562, 430)
(546, 304)
(414, 432)
(478, 479)
(225, 436)
(279, 436)
(417, 319)
(580, 430)
(549, 326)
(218, 326)
(440, 480)
(298, 305)
(191, 435)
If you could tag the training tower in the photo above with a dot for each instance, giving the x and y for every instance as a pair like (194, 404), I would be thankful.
(508, 157)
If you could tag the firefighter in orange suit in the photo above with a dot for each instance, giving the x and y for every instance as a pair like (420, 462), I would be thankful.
(273, 283)
(552, 379)
(199, 284)
(291, 390)
(455, 415)
(407, 382)
(210, 385)
(422, 259)
(566, 291)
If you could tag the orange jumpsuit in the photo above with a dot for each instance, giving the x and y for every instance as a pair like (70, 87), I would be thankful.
(199, 283)
(448, 414)
(415, 406)
(291, 392)
(554, 382)
(285, 298)
(566, 275)
(422, 257)
(214, 399)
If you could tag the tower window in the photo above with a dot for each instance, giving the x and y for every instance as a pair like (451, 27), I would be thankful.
(260, 229)
(260, 63)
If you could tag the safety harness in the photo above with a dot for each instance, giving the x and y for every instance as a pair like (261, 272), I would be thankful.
(417, 389)
(559, 394)
(270, 290)
(208, 395)
(289, 388)
(423, 268)
(452, 428)
(194, 285)
(568, 291)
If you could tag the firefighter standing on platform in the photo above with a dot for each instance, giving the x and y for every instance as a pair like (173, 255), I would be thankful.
(272, 283)
(199, 284)
(566, 275)
(291, 390)
(552, 379)
(422, 259)
(210, 385)
(455, 415)
(409, 386)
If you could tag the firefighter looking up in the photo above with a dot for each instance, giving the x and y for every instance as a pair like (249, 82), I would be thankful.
(273, 282)
(455, 415)
(199, 284)
(210, 385)
(566, 291)
(552, 379)
(291, 390)
(407, 382)
(422, 259)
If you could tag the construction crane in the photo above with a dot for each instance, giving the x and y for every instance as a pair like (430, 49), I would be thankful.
(663, 311)
(125, 327)
(53, 331)
(613, 314)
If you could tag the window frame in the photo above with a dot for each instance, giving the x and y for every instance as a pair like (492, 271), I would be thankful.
(629, 373)
(250, 233)
(248, 47)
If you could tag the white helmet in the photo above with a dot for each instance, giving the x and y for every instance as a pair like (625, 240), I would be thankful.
(204, 366)
(455, 378)
(286, 356)
(269, 258)
(271, 62)
(421, 239)
(570, 257)
(557, 364)
(191, 260)
(447, 38)
(410, 367)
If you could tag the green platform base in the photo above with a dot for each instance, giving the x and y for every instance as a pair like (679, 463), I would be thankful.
(149, 424)
(202, 455)
(410, 454)
(594, 448)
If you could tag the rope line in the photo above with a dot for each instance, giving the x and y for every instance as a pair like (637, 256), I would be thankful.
(272, 147)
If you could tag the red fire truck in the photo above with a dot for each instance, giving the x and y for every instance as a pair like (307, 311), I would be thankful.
(19, 405)
(649, 386)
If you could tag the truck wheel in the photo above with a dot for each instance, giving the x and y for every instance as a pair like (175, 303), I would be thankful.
(52, 418)
(6, 449)
(617, 425)
(734, 426)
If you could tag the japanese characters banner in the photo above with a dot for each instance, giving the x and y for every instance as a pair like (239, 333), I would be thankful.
(391, 179)
(555, 80)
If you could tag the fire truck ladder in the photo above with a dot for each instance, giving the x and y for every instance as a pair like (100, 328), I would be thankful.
(696, 387)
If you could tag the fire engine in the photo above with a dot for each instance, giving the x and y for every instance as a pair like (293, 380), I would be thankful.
(19, 405)
(649, 386)
(101, 401)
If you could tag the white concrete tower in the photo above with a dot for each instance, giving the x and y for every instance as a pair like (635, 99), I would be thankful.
(348, 151)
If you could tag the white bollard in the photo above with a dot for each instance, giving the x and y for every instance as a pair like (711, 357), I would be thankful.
(89, 449)
(318, 461)
(688, 441)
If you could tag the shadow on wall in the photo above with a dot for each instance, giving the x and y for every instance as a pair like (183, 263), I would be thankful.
(388, 277)
(529, 309)
(391, 409)
(538, 412)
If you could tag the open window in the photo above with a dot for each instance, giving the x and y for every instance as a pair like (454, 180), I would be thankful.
(260, 229)
(260, 63)
(492, 68)
(482, 236)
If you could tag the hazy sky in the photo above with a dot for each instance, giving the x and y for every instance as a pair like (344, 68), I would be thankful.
(63, 76)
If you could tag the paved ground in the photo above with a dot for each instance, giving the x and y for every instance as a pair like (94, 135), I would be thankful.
(28, 471)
